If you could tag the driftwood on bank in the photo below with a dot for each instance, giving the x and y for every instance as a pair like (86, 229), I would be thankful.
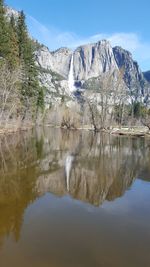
(131, 131)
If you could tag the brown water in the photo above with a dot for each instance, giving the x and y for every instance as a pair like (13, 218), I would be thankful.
(74, 199)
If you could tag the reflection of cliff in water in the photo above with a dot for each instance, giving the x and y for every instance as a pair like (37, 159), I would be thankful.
(89, 168)
(96, 167)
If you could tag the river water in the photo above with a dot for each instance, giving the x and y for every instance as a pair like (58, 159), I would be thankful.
(74, 199)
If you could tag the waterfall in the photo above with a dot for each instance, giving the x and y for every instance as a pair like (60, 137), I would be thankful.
(71, 76)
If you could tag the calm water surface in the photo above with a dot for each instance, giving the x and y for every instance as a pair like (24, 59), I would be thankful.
(74, 199)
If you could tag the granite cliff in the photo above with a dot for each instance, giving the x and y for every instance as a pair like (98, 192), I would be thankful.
(92, 60)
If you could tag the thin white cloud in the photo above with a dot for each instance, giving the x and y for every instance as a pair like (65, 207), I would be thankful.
(50, 36)
(54, 38)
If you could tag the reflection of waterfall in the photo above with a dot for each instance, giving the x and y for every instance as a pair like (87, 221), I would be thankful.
(71, 77)
(68, 165)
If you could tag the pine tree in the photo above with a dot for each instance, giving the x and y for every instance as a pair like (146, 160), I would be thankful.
(14, 48)
(22, 36)
(4, 33)
(17, 50)
(30, 85)
(8, 39)
(26, 55)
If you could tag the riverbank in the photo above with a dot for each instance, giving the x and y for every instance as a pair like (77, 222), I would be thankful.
(139, 131)
(12, 130)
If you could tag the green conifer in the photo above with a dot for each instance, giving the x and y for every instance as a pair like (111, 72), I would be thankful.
(30, 85)
(4, 33)
(14, 48)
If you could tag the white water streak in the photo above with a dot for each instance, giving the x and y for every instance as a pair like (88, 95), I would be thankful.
(71, 76)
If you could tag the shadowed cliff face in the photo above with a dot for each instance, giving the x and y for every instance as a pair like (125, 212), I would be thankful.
(90, 168)
(132, 74)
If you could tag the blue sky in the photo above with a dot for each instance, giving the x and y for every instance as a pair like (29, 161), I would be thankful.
(71, 23)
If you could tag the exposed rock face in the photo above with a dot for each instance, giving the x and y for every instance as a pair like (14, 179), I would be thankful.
(61, 61)
(147, 75)
(133, 76)
(44, 58)
(58, 61)
(93, 59)
(53, 71)
(89, 60)
(55, 85)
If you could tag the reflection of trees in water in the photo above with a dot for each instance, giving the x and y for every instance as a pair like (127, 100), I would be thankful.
(33, 163)
(18, 174)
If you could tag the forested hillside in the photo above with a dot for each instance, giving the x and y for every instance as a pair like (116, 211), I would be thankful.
(21, 96)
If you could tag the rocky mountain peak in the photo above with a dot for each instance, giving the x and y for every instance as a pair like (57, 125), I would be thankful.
(58, 61)
(93, 59)
(63, 50)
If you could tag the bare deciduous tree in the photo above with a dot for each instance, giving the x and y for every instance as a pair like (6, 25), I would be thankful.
(9, 93)
(111, 91)
(146, 121)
